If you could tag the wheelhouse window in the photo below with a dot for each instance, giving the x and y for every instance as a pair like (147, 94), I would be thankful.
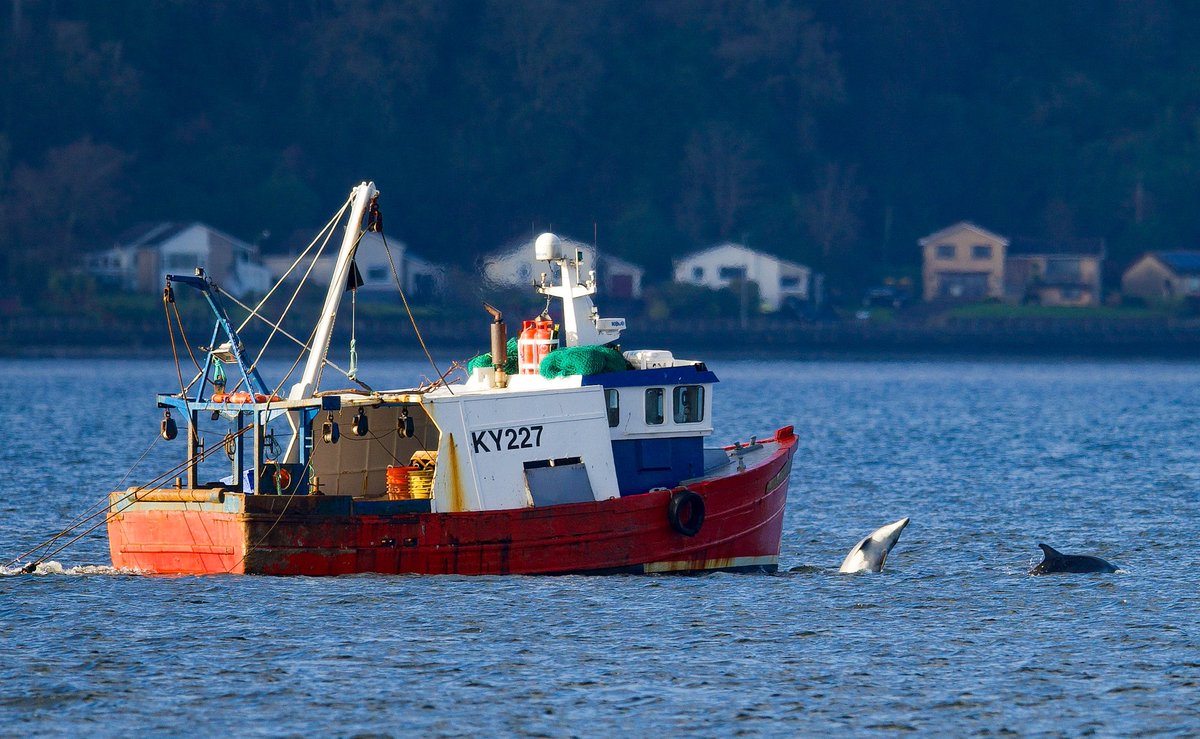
(981, 251)
(945, 251)
(732, 273)
(612, 402)
(697, 273)
(689, 403)
(654, 405)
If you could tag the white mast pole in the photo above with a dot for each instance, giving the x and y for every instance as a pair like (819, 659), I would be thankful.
(311, 379)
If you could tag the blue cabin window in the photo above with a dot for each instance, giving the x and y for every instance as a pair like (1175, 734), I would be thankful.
(689, 403)
(612, 401)
(654, 406)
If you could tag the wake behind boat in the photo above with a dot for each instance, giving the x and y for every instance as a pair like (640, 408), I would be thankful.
(578, 459)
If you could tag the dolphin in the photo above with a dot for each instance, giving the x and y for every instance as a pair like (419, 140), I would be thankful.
(1055, 561)
(870, 553)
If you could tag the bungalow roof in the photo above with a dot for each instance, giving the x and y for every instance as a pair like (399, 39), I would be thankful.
(1180, 262)
(1025, 246)
(727, 245)
(941, 234)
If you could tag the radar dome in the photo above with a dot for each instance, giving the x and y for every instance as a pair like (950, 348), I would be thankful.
(547, 247)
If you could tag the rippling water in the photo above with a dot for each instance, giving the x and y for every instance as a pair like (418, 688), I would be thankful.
(988, 458)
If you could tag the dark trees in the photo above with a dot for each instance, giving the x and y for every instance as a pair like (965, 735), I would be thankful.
(830, 133)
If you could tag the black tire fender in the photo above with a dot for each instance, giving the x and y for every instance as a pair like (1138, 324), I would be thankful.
(685, 512)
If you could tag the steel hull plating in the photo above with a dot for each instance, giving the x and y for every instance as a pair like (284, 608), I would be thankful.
(214, 533)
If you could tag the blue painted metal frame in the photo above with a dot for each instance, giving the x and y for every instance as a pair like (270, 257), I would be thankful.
(205, 285)
(308, 415)
(190, 409)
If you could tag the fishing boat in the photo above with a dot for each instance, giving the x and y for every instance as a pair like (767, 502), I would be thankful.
(554, 453)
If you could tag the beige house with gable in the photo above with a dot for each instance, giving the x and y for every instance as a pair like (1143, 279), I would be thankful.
(963, 262)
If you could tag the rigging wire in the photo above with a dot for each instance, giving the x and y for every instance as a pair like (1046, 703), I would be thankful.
(186, 344)
(132, 497)
(411, 317)
(168, 298)
(251, 547)
(90, 511)
(282, 332)
(292, 300)
(330, 227)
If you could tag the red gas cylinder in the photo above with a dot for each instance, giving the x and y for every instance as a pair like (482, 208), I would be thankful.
(545, 338)
(527, 359)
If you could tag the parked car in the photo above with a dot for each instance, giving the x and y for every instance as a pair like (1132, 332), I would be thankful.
(886, 296)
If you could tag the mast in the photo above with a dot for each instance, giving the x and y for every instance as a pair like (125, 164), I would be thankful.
(582, 324)
(311, 379)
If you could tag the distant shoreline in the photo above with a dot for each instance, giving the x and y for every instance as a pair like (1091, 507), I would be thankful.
(1153, 338)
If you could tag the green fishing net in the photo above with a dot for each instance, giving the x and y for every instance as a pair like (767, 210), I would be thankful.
(582, 360)
(485, 360)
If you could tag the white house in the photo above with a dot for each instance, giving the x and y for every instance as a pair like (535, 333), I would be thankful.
(779, 281)
(516, 267)
(420, 277)
(146, 254)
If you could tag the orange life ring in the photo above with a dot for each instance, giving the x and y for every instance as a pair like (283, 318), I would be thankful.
(279, 478)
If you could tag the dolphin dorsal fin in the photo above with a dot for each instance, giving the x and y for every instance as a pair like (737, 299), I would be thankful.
(1050, 552)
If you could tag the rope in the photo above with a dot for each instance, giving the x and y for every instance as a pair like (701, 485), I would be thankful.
(254, 312)
(327, 227)
(352, 375)
(282, 332)
(89, 512)
(286, 505)
(133, 497)
(183, 334)
(411, 317)
(291, 300)
(171, 333)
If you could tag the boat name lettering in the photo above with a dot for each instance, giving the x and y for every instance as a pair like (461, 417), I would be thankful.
(515, 437)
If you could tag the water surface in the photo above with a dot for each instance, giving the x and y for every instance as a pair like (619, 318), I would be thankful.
(987, 458)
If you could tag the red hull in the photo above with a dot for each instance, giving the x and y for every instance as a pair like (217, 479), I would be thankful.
(323, 535)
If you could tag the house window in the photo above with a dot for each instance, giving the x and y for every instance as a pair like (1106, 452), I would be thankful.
(789, 283)
(689, 403)
(654, 405)
(377, 274)
(732, 273)
(181, 261)
(612, 401)
(981, 251)
(697, 273)
(945, 251)
(423, 285)
(1064, 270)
